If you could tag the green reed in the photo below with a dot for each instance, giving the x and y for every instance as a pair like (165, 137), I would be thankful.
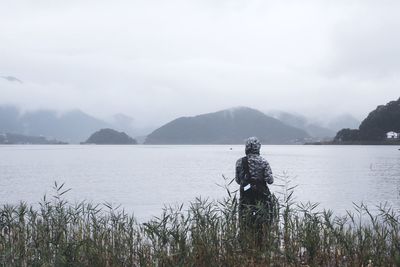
(203, 233)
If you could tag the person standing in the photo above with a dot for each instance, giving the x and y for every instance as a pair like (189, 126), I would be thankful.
(253, 174)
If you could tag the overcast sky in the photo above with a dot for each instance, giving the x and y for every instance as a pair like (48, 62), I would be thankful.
(156, 60)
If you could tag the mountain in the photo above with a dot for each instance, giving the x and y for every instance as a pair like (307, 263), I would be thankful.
(231, 126)
(383, 119)
(110, 137)
(73, 126)
(301, 122)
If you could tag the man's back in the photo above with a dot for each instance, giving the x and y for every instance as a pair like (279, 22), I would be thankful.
(253, 173)
(258, 169)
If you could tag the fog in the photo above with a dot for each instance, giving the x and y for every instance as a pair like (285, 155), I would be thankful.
(157, 60)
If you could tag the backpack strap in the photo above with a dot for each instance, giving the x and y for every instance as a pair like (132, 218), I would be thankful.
(245, 165)
(244, 183)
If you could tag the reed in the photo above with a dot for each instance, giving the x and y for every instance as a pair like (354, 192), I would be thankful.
(205, 233)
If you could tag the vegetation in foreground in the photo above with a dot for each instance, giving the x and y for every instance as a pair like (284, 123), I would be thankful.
(206, 233)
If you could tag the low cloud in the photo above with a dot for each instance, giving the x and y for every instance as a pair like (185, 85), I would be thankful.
(156, 60)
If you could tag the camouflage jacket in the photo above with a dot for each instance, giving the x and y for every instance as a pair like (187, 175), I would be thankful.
(258, 168)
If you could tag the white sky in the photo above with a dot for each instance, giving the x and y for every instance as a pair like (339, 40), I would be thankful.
(158, 60)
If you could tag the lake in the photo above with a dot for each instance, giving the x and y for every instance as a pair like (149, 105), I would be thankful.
(143, 178)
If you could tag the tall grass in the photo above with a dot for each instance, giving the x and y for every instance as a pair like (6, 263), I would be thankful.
(205, 233)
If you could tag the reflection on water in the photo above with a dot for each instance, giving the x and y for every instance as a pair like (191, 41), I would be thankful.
(144, 178)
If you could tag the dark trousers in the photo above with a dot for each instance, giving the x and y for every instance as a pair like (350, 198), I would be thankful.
(254, 203)
(255, 213)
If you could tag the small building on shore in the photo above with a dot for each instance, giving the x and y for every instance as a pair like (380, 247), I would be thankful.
(392, 135)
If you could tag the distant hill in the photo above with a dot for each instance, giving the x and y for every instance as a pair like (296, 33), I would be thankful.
(383, 119)
(314, 130)
(10, 138)
(110, 137)
(72, 127)
(231, 126)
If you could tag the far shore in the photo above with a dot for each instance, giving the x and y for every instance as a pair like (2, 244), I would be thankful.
(360, 143)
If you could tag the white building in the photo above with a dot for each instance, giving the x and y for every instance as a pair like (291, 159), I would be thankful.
(392, 135)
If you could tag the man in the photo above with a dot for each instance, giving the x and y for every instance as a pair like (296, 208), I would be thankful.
(253, 173)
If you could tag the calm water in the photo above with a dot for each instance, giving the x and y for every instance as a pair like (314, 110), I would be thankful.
(144, 178)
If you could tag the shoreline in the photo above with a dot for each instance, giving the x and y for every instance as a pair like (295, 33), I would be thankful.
(357, 143)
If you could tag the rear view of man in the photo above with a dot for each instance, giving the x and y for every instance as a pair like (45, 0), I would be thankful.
(253, 173)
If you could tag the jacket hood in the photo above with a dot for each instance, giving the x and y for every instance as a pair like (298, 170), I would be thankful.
(253, 146)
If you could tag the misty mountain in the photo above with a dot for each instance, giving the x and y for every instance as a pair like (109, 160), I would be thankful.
(10, 120)
(383, 119)
(110, 137)
(231, 126)
(73, 127)
(140, 139)
(343, 121)
(313, 129)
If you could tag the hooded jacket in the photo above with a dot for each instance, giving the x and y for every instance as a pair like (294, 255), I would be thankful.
(258, 167)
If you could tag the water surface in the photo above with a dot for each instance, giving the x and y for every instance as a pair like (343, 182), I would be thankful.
(143, 178)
